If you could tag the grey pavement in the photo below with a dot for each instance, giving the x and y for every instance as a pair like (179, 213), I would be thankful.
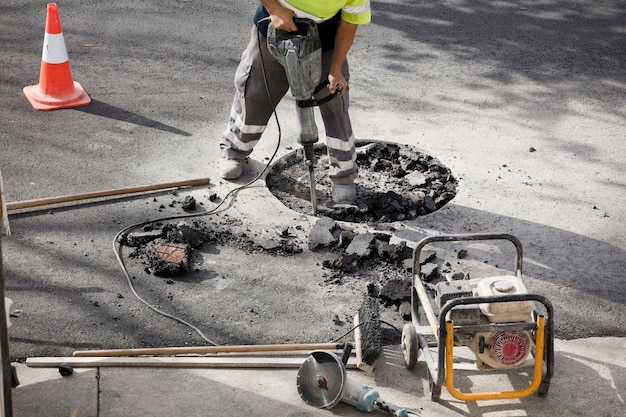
(524, 101)
(590, 380)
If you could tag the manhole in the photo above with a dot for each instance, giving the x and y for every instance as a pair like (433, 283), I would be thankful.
(395, 183)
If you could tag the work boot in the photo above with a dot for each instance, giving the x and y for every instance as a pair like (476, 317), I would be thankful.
(231, 168)
(344, 193)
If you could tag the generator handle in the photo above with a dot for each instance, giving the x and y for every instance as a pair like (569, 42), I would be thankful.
(465, 237)
(419, 292)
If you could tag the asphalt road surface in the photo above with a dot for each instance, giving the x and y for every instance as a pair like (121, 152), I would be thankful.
(524, 101)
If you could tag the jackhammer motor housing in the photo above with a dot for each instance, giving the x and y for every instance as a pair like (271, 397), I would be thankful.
(498, 349)
(300, 53)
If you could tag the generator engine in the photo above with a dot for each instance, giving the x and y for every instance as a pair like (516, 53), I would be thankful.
(499, 349)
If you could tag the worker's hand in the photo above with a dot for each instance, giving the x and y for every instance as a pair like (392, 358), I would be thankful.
(282, 18)
(335, 79)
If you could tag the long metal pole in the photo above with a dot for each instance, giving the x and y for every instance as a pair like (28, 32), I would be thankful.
(7, 374)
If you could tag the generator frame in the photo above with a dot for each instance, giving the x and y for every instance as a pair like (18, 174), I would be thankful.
(441, 369)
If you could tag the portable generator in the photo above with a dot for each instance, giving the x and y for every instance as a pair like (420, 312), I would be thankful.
(495, 317)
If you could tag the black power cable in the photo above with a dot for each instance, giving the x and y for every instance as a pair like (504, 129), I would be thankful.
(117, 240)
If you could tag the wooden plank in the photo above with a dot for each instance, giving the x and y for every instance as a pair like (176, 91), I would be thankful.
(186, 350)
(357, 346)
(173, 362)
(105, 193)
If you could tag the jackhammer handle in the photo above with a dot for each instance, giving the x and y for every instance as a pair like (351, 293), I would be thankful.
(315, 102)
(303, 22)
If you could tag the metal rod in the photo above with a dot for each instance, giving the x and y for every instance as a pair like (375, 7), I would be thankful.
(7, 373)
(312, 186)
(495, 327)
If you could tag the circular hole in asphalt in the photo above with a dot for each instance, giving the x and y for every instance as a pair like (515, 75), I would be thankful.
(395, 183)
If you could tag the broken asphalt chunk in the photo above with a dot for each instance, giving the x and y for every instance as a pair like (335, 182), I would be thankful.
(186, 234)
(427, 255)
(415, 179)
(429, 271)
(405, 310)
(346, 263)
(189, 203)
(395, 292)
(271, 244)
(136, 239)
(324, 233)
(361, 245)
(345, 238)
(429, 203)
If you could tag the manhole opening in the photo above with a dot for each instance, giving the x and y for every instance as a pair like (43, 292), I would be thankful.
(395, 183)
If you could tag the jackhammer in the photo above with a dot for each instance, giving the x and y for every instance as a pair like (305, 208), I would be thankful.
(300, 53)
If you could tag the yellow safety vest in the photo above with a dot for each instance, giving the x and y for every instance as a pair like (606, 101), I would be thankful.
(352, 11)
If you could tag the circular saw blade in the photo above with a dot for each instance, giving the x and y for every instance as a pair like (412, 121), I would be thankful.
(321, 379)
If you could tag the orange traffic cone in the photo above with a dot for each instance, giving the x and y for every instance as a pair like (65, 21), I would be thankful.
(56, 88)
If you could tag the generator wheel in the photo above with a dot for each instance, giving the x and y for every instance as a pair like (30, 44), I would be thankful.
(435, 389)
(66, 369)
(542, 391)
(410, 345)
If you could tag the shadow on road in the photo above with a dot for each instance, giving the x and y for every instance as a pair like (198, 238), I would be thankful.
(99, 108)
(561, 44)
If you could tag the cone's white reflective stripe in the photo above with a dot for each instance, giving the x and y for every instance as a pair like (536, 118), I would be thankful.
(238, 144)
(244, 128)
(54, 51)
(340, 145)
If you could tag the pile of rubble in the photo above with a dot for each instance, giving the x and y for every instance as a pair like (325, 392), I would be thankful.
(167, 249)
(395, 183)
(369, 259)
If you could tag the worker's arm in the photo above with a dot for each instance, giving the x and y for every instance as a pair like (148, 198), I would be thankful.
(343, 42)
(281, 17)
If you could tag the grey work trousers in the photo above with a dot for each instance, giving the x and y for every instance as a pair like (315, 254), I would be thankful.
(252, 109)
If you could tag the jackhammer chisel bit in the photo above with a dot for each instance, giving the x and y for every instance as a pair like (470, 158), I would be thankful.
(308, 138)
(309, 165)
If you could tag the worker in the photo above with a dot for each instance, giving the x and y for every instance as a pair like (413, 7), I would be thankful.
(337, 21)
